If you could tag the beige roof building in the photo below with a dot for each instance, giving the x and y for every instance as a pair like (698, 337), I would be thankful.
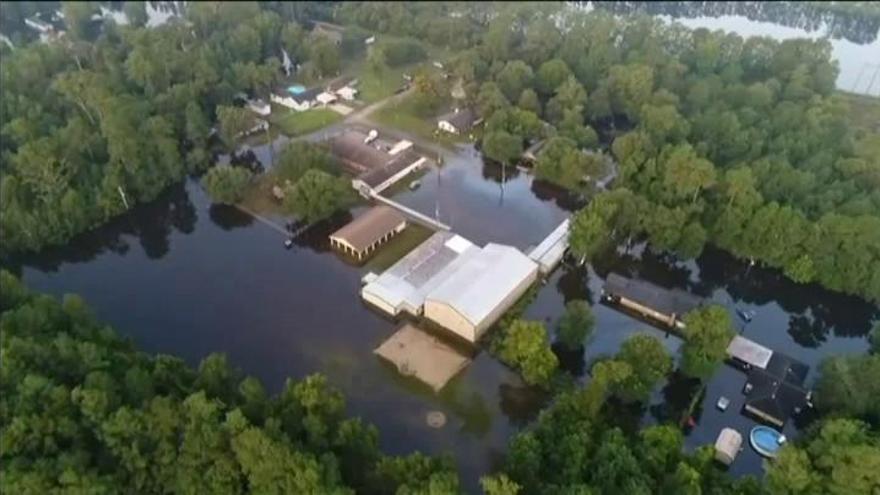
(365, 233)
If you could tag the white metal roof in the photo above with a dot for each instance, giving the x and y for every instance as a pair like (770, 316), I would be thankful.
(407, 283)
(749, 352)
(483, 280)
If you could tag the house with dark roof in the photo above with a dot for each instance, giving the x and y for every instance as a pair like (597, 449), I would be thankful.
(458, 121)
(299, 101)
(375, 166)
(776, 392)
(649, 300)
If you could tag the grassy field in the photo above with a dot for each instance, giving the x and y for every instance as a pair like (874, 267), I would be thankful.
(387, 254)
(402, 115)
(294, 123)
(258, 196)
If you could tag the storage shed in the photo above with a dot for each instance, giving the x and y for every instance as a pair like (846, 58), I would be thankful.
(362, 235)
(727, 446)
(480, 290)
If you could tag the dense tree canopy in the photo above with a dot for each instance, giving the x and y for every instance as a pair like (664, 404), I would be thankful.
(226, 184)
(83, 411)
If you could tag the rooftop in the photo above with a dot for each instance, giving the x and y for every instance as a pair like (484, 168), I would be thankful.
(417, 353)
(667, 301)
(749, 352)
(462, 119)
(479, 285)
(378, 175)
(350, 148)
(777, 392)
(408, 282)
(366, 229)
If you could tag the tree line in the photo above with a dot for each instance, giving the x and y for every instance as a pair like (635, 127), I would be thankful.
(81, 410)
(742, 143)
(109, 115)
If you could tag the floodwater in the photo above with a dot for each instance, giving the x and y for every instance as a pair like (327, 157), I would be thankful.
(185, 277)
(182, 276)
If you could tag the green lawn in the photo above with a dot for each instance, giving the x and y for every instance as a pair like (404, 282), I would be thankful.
(404, 242)
(402, 115)
(294, 123)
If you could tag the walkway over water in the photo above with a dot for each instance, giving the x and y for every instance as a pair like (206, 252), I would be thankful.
(550, 251)
(409, 212)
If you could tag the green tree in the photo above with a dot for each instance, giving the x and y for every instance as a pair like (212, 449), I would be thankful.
(502, 146)
(325, 57)
(650, 363)
(707, 333)
(841, 457)
(233, 122)
(78, 18)
(874, 338)
(515, 77)
(528, 101)
(298, 157)
(848, 385)
(499, 485)
(685, 173)
(226, 184)
(576, 325)
(490, 99)
(317, 195)
(551, 75)
(525, 346)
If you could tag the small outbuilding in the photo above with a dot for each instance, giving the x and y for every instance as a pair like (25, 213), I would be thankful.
(748, 353)
(776, 393)
(459, 121)
(727, 446)
(325, 98)
(365, 233)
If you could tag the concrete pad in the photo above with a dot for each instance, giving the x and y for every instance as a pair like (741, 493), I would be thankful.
(426, 357)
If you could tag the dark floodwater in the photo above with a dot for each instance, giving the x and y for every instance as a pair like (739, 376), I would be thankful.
(181, 276)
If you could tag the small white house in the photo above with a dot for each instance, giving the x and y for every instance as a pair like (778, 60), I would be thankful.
(457, 122)
(299, 102)
(370, 40)
(347, 93)
(260, 107)
(325, 98)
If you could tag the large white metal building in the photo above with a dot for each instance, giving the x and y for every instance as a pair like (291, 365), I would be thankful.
(454, 283)
(480, 290)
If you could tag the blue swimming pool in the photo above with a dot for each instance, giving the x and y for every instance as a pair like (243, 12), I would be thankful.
(296, 89)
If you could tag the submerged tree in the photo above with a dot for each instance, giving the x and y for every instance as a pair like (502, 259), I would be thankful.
(317, 195)
(525, 346)
(576, 325)
(226, 184)
(707, 333)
